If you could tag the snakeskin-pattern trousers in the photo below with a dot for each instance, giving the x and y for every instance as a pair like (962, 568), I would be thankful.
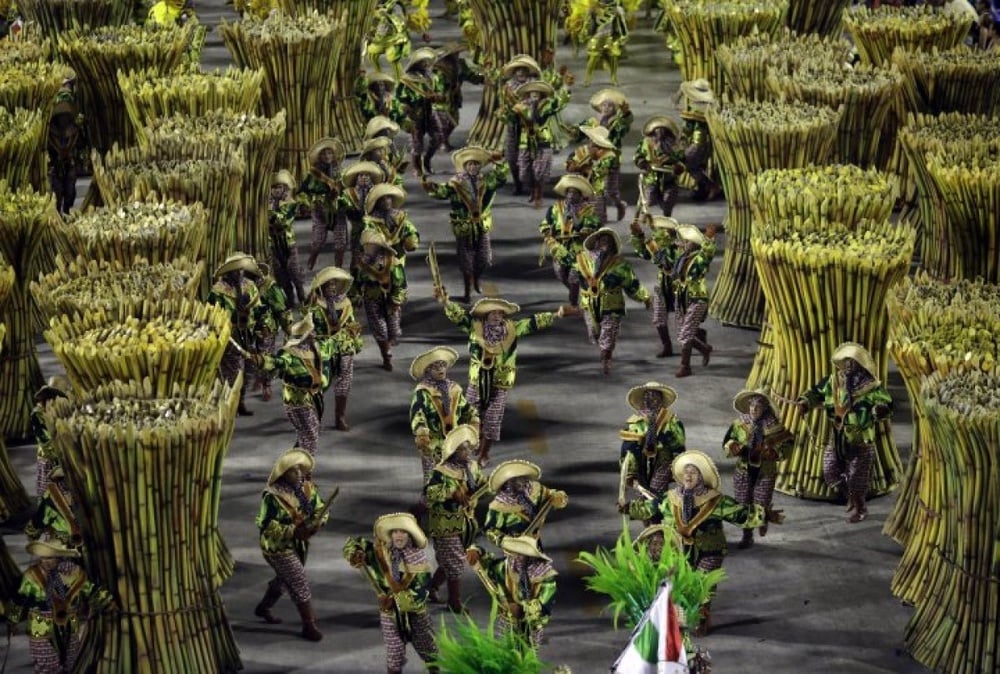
(605, 335)
(503, 626)
(491, 418)
(570, 278)
(46, 658)
(450, 555)
(660, 311)
(709, 562)
(305, 421)
(660, 479)
(853, 471)
(43, 467)
(474, 255)
(421, 635)
(320, 227)
(289, 576)
(345, 376)
(750, 487)
(666, 199)
(384, 320)
(511, 140)
(534, 169)
(688, 321)
(613, 185)
(231, 365)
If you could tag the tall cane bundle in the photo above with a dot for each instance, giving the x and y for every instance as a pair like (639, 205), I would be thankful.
(13, 497)
(825, 284)
(55, 17)
(878, 32)
(23, 134)
(951, 80)
(146, 469)
(809, 16)
(99, 55)
(956, 628)
(748, 138)
(28, 228)
(24, 51)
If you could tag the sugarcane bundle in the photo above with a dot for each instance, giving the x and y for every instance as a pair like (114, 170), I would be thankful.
(171, 342)
(24, 50)
(146, 469)
(85, 285)
(865, 93)
(878, 32)
(826, 284)
(13, 497)
(150, 94)
(951, 80)
(809, 16)
(54, 17)
(703, 26)
(216, 135)
(509, 28)
(748, 138)
(955, 629)
(934, 326)
(136, 173)
(99, 55)
(23, 134)
(298, 55)
(28, 229)
(160, 231)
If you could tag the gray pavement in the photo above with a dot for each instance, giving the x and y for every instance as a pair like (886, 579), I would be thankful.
(813, 596)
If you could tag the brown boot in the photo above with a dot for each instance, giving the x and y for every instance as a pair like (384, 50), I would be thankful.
(704, 348)
(309, 629)
(475, 284)
(455, 595)
(437, 580)
(860, 509)
(427, 161)
(747, 540)
(311, 262)
(242, 410)
(536, 196)
(386, 355)
(605, 362)
(266, 393)
(705, 623)
(518, 185)
(338, 261)
(271, 597)
(467, 281)
(483, 455)
(668, 348)
(685, 369)
(622, 207)
(418, 165)
(339, 417)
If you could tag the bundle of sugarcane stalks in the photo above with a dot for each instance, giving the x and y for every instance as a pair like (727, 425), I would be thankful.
(509, 28)
(54, 17)
(28, 230)
(298, 55)
(150, 522)
(702, 27)
(878, 32)
(951, 80)
(98, 55)
(956, 628)
(23, 134)
(961, 138)
(133, 174)
(24, 50)
(825, 284)
(809, 16)
(13, 497)
(217, 135)
(748, 138)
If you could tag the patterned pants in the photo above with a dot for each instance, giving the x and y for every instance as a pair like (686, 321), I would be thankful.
(384, 320)
(421, 635)
(534, 169)
(600, 202)
(660, 311)
(511, 140)
(503, 626)
(289, 576)
(42, 469)
(665, 198)
(612, 186)
(345, 376)
(427, 463)
(605, 335)
(46, 658)
(491, 418)
(568, 276)
(437, 126)
(450, 555)
(660, 479)
(288, 272)
(320, 218)
(696, 160)
(231, 365)
(854, 470)
(750, 487)
(305, 421)
(688, 321)
(474, 255)
(709, 562)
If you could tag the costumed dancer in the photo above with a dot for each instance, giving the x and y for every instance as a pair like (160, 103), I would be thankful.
(391, 36)
(471, 193)
(270, 315)
(522, 586)
(379, 98)
(758, 440)
(54, 519)
(282, 209)
(418, 90)
(561, 80)
(455, 70)
(655, 537)
(659, 161)
(568, 222)
(521, 503)
(661, 249)
(691, 292)
(395, 563)
(235, 290)
(538, 103)
(383, 127)
(384, 215)
(46, 457)
(615, 116)
(291, 512)
(333, 317)
(382, 152)
(608, 33)
(63, 134)
(320, 190)
(854, 401)
(516, 73)
(358, 180)
(651, 439)
(596, 161)
(452, 491)
(380, 284)
(698, 97)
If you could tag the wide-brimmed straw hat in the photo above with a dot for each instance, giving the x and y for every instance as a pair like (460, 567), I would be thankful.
(450, 48)
(376, 143)
(378, 124)
(691, 234)
(299, 330)
(598, 135)
(470, 153)
(238, 262)
(57, 472)
(283, 177)
(508, 470)
(665, 222)
(575, 181)
(535, 87)
(521, 61)
(350, 176)
(373, 237)
(51, 548)
(295, 456)
(324, 143)
(58, 386)
(489, 304)
(380, 77)
(329, 274)
(661, 122)
(523, 545)
(698, 91)
(741, 403)
(615, 96)
(421, 55)
(420, 363)
(857, 353)
(461, 434)
(669, 535)
(384, 190)
(634, 395)
(386, 524)
(702, 461)
(591, 241)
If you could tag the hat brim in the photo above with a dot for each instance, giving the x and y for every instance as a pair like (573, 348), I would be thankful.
(509, 69)
(508, 470)
(598, 140)
(461, 157)
(701, 460)
(47, 549)
(577, 182)
(634, 396)
(607, 95)
(350, 176)
(420, 363)
(244, 263)
(591, 241)
(661, 123)
(520, 545)
(536, 87)
(386, 524)
(291, 458)
(858, 354)
(384, 190)
(327, 143)
(741, 403)
(490, 304)
(329, 274)
(457, 437)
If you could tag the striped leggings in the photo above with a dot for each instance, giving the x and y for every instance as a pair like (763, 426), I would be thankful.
(46, 658)
(688, 321)
(750, 487)
(534, 169)
(305, 421)
(421, 635)
(492, 417)
(604, 335)
(289, 576)
(384, 322)
(854, 470)
(474, 255)
(450, 555)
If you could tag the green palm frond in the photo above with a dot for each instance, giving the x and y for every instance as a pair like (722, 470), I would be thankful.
(469, 650)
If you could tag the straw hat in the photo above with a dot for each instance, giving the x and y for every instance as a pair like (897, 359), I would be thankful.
(857, 353)
(691, 234)
(420, 363)
(299, 330)
(470, 153)
(57, 472)
(634, 395)
(575, 181)
(283, 177)
(702, 461)
(238, 262)
(741, 403)
(451, 48)
(665, 222)
(598, 135)
(350, 176)
(535, 86)
(385, 190)
(324, 143)
(458, 436)
(386, 524)
(380, 77)
(51, 548)
(376, 143)
(378, 124)
(523, 545)
(615, 96)
(669, 534)
(328, 274)
(58, 386)
(293, 457)
(698, 91)
(508, 470)
(488, 304)
(591, 241)
(521, 61)
(421, 55)
(661, 122)
(371, 237)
